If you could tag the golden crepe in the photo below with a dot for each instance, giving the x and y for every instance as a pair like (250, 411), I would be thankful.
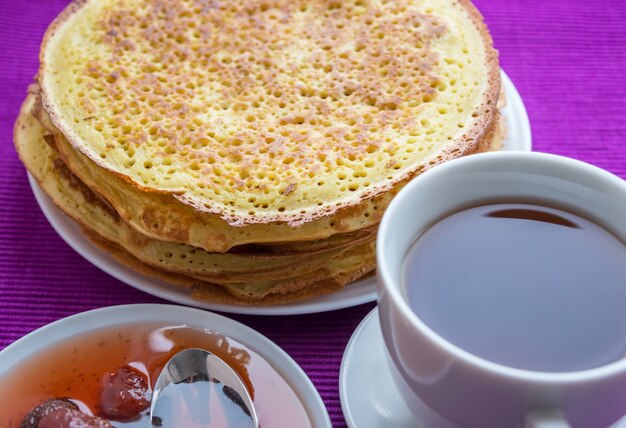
(248, 149)
(324, 107)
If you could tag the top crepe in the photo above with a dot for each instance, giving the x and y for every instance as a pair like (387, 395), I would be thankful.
(270, 111)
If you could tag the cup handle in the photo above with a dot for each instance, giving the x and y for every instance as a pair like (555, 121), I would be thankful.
(546, 418)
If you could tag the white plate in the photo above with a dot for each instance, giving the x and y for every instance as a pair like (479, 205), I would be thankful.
(362, 291)
(369, 398)
(515, 118)
(65, 328)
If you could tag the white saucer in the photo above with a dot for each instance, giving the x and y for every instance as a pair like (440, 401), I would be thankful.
(369, 398)
(359, 292)
(65, 328)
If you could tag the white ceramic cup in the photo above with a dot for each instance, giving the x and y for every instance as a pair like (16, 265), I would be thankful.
(446, 386)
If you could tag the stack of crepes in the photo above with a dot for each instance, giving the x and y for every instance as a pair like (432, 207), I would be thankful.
(247, 149)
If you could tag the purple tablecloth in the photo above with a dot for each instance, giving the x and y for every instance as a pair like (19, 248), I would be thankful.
(567, 59)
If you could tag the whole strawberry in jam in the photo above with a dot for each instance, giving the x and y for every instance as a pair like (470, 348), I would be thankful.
(124, 394)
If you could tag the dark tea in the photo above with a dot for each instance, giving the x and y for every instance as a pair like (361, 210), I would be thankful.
(522, 285)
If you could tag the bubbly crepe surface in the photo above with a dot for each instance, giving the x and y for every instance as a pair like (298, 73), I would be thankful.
(264, 111)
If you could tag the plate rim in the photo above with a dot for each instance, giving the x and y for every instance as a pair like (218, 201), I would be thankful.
(110, 316)
(515, 105)
(354, 294)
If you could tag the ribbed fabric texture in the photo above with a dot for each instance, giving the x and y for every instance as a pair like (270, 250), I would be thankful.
(567, 59)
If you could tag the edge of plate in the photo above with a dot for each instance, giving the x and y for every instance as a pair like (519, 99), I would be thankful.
(517, 117)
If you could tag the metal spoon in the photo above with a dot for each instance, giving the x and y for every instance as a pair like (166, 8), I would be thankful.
(198, 389)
